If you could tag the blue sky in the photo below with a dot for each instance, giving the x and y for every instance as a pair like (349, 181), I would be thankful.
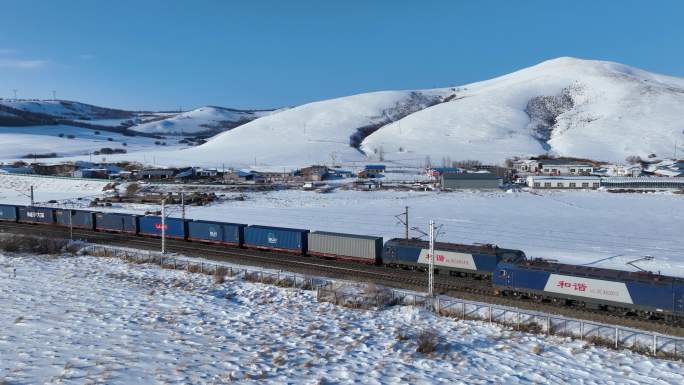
(171, 54)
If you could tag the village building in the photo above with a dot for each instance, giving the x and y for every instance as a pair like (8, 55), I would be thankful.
(157, 173)
(564, 167)
(314, 173)
(439, 171)
(474, 180)
(564, 182)
(643, 183)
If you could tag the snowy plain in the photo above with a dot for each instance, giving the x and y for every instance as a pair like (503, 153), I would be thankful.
(104, 321)
(17, 142)
(579, 227)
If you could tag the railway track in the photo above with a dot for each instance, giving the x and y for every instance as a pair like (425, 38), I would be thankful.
(471, 289)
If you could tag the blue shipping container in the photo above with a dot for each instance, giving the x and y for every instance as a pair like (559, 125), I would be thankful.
(219, 232)
(152, 225)
(276, 238)
(116, 222)
(8, 213)
(43, 215)
(79, 218)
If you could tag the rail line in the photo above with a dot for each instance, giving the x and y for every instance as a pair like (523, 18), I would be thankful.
(471, 289)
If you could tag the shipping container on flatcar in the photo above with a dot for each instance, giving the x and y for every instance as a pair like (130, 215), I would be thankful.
(450, 258)
(40, 215)
(76, 218)
(592, 286)
(8, 213)
(358, 248)
(276, 238)
(152, 225)
(116, 222)
(216, 232)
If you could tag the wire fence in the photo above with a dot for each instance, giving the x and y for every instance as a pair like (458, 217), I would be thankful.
(614, 337)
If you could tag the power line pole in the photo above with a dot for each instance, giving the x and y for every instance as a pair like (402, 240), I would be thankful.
(71, 225)
(183, 204)
(431, 272)
(32, 201)
(163, 226)
(403, 218)
(15, 93)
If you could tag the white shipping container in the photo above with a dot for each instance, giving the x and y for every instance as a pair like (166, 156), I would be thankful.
(361, 248)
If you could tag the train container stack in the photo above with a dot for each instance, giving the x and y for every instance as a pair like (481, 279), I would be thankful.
(451, 258)
(357, 248)
(152, 225)
(8, 213)
(115, 222)
(591, 286)
(276, 239)
(76, 218)
(37, 215)
(216, 232)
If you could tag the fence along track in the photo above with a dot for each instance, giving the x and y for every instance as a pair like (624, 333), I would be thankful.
(614, 337)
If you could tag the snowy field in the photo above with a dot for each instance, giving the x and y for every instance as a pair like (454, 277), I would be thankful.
(581, 227)
(20, 141)
(95, 320)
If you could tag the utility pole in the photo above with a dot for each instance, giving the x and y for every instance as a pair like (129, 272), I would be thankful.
(431, 273)
(32, 201)
(403, 218)
(183, 204)
(71, 225)
(163, 226)
(15, 93)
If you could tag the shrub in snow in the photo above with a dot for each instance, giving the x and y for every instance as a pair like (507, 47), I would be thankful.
(427, 341)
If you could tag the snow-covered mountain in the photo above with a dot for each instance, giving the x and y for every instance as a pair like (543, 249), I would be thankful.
(325, 131)
(566, 107)
(569, 107)
(205, 120)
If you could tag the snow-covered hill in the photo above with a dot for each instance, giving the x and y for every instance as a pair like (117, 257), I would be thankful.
(62, 109)
(566, 106)
(208, 119)
(324, 131)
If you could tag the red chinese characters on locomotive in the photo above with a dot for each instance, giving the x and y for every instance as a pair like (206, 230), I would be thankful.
(572, 285)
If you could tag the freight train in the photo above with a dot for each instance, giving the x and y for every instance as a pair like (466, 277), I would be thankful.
(510, 271)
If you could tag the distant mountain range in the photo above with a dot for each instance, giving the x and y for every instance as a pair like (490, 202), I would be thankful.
(566, 107)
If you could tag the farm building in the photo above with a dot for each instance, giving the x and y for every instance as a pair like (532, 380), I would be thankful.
(439, 171)
(314, 173)
(564, 167)
(93, 173)
(564, 182)
(15, 170)
(643, 183)
(475, 180)
(158, 173)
